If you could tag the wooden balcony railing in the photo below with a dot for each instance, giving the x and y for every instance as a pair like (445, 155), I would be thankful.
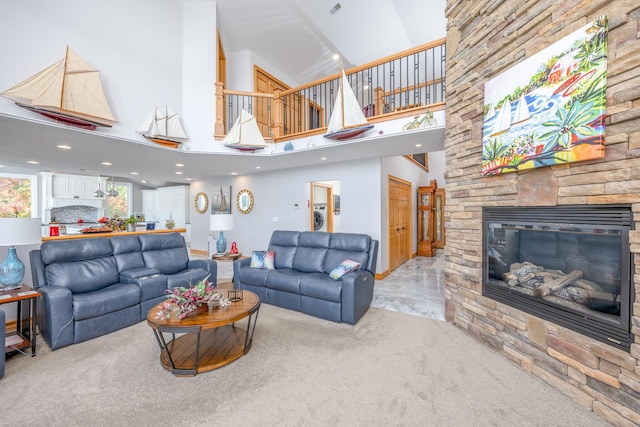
(399, 85)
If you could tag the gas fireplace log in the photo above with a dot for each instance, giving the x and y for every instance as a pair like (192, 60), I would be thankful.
(555, 284)
(521, 269)
(588, 285)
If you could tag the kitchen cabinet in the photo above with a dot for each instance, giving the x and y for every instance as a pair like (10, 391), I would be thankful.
(167, 202)
(76, 186)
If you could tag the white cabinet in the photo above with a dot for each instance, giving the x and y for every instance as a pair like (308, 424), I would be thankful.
(75, 186)
(149, 205)
(172, 202)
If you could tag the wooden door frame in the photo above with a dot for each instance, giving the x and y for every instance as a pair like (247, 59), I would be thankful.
(329, 211)
(410, 216)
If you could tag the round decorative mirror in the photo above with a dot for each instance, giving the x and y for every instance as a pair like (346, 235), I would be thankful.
(244, 201)
(201, 203)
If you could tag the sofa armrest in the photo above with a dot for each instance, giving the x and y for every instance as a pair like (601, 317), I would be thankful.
(357, 294)
(2, 334)
(55, 316)
(208, 264)
(137, 273)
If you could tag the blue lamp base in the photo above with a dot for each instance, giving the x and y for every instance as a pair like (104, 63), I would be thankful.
(221, 244)
(12, 271)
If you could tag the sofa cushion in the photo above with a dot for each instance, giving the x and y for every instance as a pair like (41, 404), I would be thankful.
(107, 300)
(127, 250)
(284, 243)
(263, 260)
(309, 260)
(253, 276)
(83, 276)
(284, 279)
(347, 246)
(346, 266)
(165, 252)
(319, 285)
(74, 250)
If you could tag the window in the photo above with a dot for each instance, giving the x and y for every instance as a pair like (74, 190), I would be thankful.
(119, 205)
(18, 196)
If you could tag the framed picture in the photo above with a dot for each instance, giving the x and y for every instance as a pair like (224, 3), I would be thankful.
(550, 108)
(220, 199)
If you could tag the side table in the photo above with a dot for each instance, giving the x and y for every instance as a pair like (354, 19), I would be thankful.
(228, 257)
(25, 334)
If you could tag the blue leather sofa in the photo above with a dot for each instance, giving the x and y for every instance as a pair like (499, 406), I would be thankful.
(92, 287)
(300, 280)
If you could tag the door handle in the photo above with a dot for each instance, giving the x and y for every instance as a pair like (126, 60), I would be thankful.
(397, 228)
(404, 228)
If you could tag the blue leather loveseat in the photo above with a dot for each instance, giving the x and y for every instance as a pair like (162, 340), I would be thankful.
(92, 287)
(300, 277)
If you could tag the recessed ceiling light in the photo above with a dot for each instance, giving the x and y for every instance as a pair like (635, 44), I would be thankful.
(33, 162)
(336, 56)
(418, 145)
(187, 179)
(323, 158)
(178, 173)
(180, 165)
(258, 167)
(134, 173)
(106, 163)
(64, 147)
(234, 173)
(144, 181)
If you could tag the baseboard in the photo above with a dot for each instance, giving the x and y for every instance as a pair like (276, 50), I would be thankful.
(199, 252)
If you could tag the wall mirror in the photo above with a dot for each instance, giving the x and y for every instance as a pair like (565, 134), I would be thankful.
(244, 201)
(201, 203)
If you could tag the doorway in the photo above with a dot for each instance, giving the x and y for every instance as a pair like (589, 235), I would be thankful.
(399, 232)
(322, 208)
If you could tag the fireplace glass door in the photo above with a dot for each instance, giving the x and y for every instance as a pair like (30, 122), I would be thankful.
(572, 268)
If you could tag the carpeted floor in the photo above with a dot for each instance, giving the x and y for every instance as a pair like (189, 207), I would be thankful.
(391, 369)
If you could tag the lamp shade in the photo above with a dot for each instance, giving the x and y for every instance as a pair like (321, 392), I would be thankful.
(221, 222)
(20, 231)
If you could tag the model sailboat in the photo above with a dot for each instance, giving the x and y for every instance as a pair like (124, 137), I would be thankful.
(245, 134)
(163, 127)
(347, 119)
(69, 91)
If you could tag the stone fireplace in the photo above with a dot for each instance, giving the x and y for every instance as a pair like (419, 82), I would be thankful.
(566, 264)
(485, 38)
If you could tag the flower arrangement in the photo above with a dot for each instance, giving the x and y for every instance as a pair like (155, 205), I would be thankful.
(116, 223)
(186, 300)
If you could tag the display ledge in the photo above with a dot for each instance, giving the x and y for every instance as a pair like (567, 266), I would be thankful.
(113, 233)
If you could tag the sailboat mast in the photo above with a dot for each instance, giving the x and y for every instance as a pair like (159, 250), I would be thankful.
(64, 78)
(342, 77)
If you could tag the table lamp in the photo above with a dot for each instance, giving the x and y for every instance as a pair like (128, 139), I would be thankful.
(16, 232)
(220, 222)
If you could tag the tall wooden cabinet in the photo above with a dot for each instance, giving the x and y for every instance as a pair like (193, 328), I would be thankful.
(430, 219)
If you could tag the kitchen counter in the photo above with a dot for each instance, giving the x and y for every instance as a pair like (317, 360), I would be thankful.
(113, 233)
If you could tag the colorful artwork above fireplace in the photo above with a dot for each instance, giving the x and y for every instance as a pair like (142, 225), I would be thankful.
(550, 108)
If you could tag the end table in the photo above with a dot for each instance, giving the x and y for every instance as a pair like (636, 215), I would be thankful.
(25, 334)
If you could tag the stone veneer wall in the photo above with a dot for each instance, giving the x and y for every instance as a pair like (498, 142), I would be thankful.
(484, 38)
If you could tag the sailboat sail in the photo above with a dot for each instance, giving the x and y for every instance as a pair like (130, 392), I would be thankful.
(522, 112)
(69, 91)
(245, 134)
(347, 119)
(503, 120)
(163, 126)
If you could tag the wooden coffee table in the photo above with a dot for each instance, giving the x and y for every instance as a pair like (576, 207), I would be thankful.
(207, 340)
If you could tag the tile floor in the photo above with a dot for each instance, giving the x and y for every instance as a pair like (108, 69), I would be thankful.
(416, 287)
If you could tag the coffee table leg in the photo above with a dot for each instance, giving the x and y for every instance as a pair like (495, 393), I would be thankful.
(164, 347)
(248, 339)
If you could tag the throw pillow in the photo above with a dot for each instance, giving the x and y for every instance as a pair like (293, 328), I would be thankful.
(346, 266)
(263, 259)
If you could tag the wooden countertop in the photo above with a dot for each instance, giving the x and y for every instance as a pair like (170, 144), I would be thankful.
(113, 233)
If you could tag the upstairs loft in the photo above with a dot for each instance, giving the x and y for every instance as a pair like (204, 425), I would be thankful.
(394, 92)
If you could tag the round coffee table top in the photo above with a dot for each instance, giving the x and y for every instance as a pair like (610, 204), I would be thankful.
(207, 319)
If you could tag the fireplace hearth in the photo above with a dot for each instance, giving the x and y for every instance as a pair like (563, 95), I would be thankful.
(570, 265)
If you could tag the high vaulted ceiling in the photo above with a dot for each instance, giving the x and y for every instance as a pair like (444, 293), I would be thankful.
(298, 37)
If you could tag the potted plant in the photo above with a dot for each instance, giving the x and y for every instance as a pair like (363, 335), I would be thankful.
(131, 222)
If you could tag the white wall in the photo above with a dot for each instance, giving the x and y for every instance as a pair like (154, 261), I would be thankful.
(145, 59)
(276, 194)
